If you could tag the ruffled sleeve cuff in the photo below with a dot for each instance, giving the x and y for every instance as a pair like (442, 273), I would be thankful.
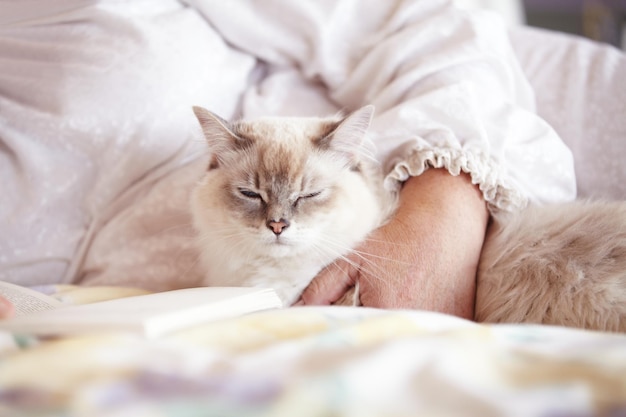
(484, 172)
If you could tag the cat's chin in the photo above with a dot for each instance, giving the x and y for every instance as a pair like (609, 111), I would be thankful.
(280, 248)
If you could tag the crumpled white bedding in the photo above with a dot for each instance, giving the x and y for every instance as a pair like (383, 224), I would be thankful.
(95, 99)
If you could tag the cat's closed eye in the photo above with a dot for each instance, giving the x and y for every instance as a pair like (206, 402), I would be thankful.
(306, 196)
(250, 194)
(311, 195)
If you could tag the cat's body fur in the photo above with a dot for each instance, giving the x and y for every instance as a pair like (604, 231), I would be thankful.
(563, 265)
(560, 264)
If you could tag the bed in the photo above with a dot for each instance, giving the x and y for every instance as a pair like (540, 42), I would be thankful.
(348, 361)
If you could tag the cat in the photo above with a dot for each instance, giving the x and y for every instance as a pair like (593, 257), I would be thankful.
(284, 197)
(558, 264)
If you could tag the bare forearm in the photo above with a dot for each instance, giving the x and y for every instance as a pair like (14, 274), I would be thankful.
(445, 218)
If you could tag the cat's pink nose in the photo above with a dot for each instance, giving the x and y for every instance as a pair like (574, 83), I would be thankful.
(277, 226)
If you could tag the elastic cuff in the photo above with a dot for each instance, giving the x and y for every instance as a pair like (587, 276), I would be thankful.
(483, 171)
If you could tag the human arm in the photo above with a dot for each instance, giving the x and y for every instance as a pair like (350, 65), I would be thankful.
(425, 257)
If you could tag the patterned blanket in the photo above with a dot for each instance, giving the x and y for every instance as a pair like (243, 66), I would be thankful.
(318, 361)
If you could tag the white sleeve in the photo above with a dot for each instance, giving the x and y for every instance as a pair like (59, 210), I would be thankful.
(448, 90)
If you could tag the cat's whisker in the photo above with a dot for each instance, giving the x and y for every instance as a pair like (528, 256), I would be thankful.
(387, 242)
(225, 231)
(367, 256)
(331, 248)
(366, 266)
(364, 272)
(344, 270)
(324, 251)
(192, 265)
(233, 239)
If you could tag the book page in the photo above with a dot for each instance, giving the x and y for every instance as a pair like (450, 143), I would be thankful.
(152, 315)
(26, 301)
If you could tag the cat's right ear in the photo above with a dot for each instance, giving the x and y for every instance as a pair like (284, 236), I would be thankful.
(219, 135)
(349, 136)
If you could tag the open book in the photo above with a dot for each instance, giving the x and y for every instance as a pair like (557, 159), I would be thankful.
(152, 314)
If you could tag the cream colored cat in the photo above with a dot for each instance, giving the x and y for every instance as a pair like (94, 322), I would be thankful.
(560, 264)
(283, 198)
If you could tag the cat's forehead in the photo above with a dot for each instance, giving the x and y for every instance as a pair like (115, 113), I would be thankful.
(283, 151)
(285, 130)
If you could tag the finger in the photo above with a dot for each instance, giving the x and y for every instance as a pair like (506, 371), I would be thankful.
(6, 308)
(350, 297)
(330, 284)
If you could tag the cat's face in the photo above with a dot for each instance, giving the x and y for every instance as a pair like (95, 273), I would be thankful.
(283, 187)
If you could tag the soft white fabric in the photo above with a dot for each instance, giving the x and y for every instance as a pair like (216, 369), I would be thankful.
(94, 106)
(512, 11)
(581, 92)
(98, 145)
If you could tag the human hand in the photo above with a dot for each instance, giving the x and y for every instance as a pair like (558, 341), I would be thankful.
(6, 308)
(424, 258)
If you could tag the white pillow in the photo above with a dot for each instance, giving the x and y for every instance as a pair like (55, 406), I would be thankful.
(581, 91)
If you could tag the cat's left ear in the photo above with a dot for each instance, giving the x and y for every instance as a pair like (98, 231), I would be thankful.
(349, 136)
(219, 135)
(212, 124)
